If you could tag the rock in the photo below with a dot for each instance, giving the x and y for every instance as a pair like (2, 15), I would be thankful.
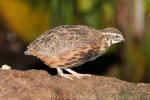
(40, 85)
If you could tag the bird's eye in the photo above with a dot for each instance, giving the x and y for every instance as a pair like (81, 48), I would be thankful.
(116, 36)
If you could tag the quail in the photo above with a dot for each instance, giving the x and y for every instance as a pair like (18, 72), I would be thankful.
(68, 46)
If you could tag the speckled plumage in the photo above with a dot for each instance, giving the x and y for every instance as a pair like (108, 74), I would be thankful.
(76, 43)
(69, 46)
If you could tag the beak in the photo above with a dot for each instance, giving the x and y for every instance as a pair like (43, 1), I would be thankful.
(123, 39)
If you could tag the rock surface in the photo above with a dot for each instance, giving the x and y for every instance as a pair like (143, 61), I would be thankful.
(39, 85)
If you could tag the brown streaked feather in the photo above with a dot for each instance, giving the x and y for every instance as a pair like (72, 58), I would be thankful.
(63, 38)
(71, 58)
(68, 46)
(112, 30)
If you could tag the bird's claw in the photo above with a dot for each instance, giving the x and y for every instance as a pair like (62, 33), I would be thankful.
(73, 74)
(77, 75)
(69, 76)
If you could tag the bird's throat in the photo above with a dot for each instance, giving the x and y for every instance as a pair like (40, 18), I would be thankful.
(109, 42)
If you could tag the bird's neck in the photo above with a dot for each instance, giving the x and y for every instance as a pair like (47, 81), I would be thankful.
(108, 41)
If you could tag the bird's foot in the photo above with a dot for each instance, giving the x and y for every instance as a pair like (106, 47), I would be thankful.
(69, 76)
(77, 75)
(60, 73)
(73, 74)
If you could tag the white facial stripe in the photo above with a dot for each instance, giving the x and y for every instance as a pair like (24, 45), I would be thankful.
(109, 42)
(115, 40)
(109, 33)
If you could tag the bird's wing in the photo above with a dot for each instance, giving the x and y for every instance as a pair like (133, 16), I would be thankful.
(71, 58)
(62, 38)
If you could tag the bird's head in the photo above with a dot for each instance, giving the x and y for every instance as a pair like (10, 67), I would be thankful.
(113, 35)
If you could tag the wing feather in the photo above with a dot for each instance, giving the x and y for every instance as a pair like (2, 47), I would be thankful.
(61, 39)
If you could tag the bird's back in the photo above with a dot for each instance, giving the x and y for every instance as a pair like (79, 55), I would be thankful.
(62, 38)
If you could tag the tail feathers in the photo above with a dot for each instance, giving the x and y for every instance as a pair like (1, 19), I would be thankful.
(27, 52)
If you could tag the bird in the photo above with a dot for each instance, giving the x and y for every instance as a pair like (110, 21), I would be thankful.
(67, 46)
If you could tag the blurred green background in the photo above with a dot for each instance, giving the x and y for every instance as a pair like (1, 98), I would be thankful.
(21, 21)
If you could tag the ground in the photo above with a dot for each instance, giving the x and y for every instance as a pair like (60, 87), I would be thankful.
(40, 85)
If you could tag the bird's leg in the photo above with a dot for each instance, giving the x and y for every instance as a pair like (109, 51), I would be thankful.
(60, 72)
(75, 74)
